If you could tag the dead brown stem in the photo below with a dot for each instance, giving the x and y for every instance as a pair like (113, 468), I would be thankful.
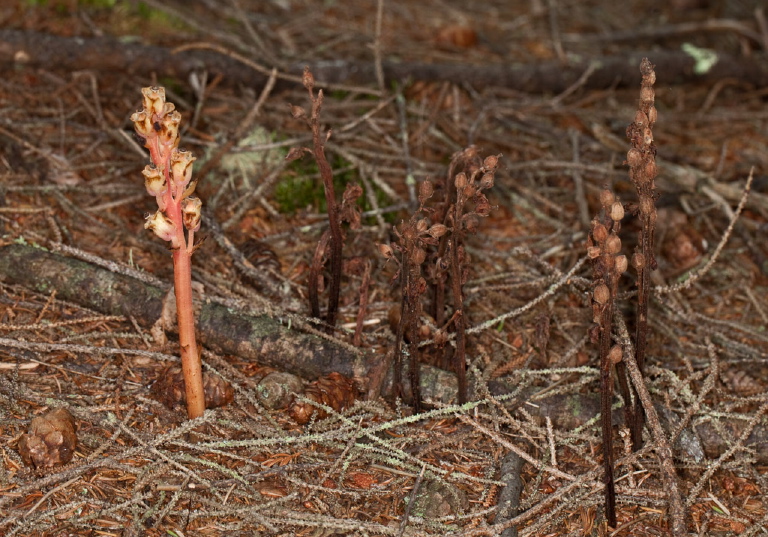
(642, 162)
(604, 247)
(334, 223)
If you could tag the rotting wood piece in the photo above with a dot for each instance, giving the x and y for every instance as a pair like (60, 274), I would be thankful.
(20, 48)
(259, 337)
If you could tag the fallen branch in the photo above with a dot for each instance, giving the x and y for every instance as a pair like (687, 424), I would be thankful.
(259, 337)
(18, 48)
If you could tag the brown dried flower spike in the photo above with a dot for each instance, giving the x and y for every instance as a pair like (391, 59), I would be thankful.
(641, 158)
(604, 249)
(51, 440)
(169, 179)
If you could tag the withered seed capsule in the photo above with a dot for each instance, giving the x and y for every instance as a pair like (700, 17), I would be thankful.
(634, 157)
(647, 136)
(601, 294)
(614, 355)
(426, 190)
(438, 230)
(646, 206)
(606, 198)
(617, 211)
(599, 231)
(418, 256)
(646, 94)
(385, 250)
(490, 162)
(650, 169)
(652, 115)
(612, 245)
(461, 181)
(621, 264)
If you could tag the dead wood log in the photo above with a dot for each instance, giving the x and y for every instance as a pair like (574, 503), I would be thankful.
(258, 337)
(19, 48)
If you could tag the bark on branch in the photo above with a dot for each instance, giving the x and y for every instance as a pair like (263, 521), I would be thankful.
(260, 337)
(18, 48)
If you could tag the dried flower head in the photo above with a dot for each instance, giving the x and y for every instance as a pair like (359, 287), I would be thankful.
(142, 122)
(169, 131)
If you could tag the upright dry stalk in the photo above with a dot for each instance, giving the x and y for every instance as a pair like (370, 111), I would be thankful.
(168, 179)
(642, 171)
(604, 247)
(336, 239)
(414, 236)
(469, 188)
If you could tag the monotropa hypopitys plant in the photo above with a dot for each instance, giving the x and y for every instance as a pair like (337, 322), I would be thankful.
(169, 179)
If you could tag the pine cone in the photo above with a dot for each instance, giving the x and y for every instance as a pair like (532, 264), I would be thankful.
(276, 390)
(218, 392)
(169, 389)
(335, 391)
(51, 440)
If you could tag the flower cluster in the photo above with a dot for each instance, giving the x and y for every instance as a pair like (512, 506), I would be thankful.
(169, 177)
(418, 239)
(608, 264)
(604, 249)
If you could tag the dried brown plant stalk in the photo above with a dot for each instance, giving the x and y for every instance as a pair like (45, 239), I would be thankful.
(336, 239)
(414, 236)
(642, 171)
(469, 188)
(604, 247)
(460, 213)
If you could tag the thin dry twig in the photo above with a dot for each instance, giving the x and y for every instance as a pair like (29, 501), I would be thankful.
(677, 511)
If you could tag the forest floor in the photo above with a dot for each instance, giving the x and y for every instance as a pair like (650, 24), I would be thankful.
(70, 182)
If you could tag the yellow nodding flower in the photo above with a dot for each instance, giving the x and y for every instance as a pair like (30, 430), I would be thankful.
(161, 225)
(154, 100)
(191, 209)
(181, 167)
(142, 123)
(154, 180)
(169, 129)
